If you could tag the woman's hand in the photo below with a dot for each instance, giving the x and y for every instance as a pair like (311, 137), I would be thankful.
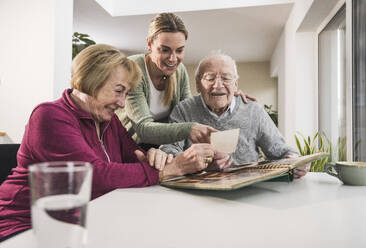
(244, 96)
(155, 157)
(300, 171)
(196, 158)
(201, 133)
(220, 162)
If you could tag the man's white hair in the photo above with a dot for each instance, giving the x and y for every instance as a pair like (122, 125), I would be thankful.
(214, 54)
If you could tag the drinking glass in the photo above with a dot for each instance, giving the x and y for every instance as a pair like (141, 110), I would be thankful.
(60, 192)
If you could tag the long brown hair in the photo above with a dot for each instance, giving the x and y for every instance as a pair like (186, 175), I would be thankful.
(171, 23)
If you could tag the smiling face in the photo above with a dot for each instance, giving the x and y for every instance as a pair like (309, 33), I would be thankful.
(167, 51)
(218, 83)
(111, 96)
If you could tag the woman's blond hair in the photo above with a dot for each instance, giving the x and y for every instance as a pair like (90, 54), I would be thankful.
(93, 65)
(171, 23)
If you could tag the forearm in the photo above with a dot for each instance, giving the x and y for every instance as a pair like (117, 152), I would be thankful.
(110, 176)
(270, 139)
(64, 142)
(278, 151)
(163, 133)
(107, 176)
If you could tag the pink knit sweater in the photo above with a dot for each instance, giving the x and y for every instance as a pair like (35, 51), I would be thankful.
(61, 131)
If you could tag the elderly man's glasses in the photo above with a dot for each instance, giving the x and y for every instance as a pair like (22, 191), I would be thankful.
(210, 78)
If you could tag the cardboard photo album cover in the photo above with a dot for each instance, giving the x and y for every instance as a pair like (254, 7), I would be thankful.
(241, 176)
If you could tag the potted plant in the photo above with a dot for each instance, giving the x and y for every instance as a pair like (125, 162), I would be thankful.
(272, 113)
(79, 42)
(314, 145)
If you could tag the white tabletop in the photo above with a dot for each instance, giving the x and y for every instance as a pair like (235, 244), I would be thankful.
(315, 211)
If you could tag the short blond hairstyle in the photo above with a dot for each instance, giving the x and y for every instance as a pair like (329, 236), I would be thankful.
(93, 65)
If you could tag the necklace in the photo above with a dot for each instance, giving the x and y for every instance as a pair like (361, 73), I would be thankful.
(150, 68)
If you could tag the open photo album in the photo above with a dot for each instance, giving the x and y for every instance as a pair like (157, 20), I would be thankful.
(244, 175)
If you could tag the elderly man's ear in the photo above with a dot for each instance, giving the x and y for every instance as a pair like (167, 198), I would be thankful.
(235, 87)
(236, 84)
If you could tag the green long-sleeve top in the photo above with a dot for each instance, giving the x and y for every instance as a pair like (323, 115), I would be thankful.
(136, 115)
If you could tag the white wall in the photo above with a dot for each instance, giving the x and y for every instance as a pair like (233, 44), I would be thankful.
(35, 49)
(254, 80)
(63, 11)
(284, 64)
(306, 85)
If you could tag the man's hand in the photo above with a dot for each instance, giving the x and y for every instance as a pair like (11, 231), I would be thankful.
(220, 162)
(300, 171)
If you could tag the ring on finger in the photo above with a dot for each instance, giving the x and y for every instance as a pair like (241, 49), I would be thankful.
(208, 160)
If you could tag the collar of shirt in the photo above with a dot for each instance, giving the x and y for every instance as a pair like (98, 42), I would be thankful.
(227, 112)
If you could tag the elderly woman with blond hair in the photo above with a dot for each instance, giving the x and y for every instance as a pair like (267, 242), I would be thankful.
(82, 126)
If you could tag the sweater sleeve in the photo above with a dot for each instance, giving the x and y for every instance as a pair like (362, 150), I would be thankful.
(147, 129)
(269, 138)
(55, 135)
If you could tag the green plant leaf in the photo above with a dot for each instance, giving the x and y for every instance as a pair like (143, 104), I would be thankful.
(321, 145)
(299, 146)
(79, 42)
(315, 136)
(87, 41)
(307, 147)
(311, 146)
(74, 51)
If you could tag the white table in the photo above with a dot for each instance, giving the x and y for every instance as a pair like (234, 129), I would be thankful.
(316, 211)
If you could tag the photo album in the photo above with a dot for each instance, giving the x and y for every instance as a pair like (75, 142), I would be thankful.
(243, 175)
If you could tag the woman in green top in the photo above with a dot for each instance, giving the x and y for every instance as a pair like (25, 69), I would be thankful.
(163, 85)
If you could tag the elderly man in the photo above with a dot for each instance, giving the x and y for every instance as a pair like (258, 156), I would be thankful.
(216, 106)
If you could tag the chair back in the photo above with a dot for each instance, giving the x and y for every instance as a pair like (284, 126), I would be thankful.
(8, 159)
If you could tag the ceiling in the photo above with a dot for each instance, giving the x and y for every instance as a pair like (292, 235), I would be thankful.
(248, 34)
(316, 14)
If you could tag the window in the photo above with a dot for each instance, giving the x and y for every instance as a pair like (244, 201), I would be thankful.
(332, 84)
(359, 80)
